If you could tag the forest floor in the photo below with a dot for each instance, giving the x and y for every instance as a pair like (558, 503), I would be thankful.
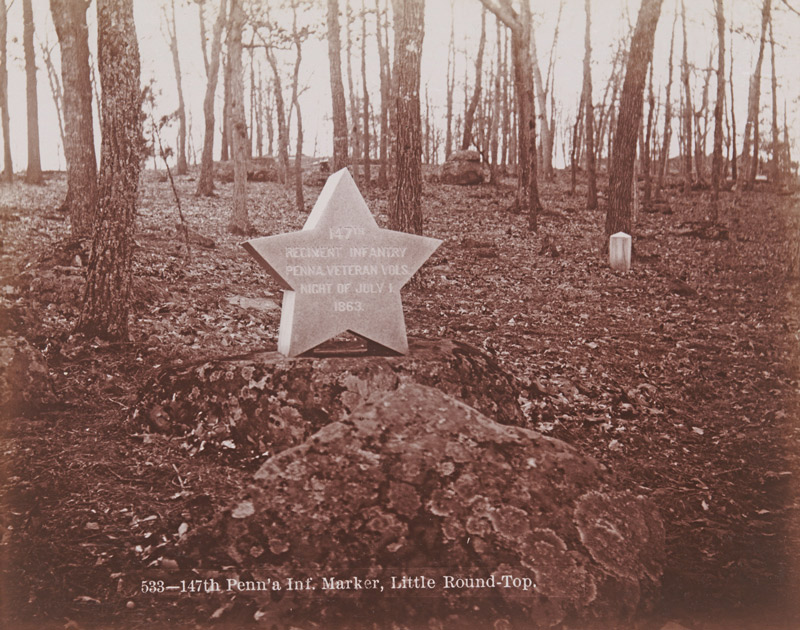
(680, 375)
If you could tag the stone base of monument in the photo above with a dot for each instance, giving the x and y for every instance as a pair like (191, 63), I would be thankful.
(417, 511)
(256, 405)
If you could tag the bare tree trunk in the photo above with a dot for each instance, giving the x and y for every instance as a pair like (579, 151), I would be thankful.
(383, 65)
(69, 18)
(181, 167)
(646, 159)
(340, 154)
(496, 107)
(591, 171)
(405, 208)
(469, 115)
(775, 173)
(667, 137)
(619, 215)
(354, 138)
(8, 168)
(298, 153)
(450, 82)
(716, 160)
(687, 136)
(734, 161)
(280, 114)
(205, 183)
(34, 172)
(56, 90)
(750, 166)
(700, 136)
(541, 96)
(109, 274)
(365, 103)
(576, 140)
(239, 221)
(224, 154)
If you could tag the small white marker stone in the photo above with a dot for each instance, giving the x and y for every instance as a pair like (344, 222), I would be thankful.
(619, 251)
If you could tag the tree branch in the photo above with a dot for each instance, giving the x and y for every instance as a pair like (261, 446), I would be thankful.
(504, 13)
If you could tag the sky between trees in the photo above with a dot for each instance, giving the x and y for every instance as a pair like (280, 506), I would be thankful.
(611, 20)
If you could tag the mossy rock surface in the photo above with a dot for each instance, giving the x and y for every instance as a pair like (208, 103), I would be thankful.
(417, 484)
(260, 404)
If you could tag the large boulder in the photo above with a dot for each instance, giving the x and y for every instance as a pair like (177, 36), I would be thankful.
(487, 522)
(259, 169)
(262, 403)
(462, 168)
(25, 383)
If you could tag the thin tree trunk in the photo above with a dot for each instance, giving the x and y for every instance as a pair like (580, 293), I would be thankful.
(69, 18)
(298, 153)
(205, 183)
(700, 137)
(239, 220)
(55, 91)
(716, 160)
(280, 114)
(646, 158)
(591, 170)
(450, 82)
(687, 136)
(576, 139)
(750, 165)
(34, 172)
(496, 107)
(734, 161)
(469, 115)
(541, 97)
(365, 103)
(181, 167)
(405, 208)
(8, 168)
(774, 170)
(340, 154)
(224, 154)
(109, 274)
(354, 138)
(619, 215)
(383, 69)
(667, 136)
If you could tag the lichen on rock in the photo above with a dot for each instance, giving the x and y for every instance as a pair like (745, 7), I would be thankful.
(258, 405)
(417, 483)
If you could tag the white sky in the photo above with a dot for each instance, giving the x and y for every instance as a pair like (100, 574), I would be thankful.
(610, 22)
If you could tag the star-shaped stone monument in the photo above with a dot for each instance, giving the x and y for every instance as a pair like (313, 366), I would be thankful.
(341, 272)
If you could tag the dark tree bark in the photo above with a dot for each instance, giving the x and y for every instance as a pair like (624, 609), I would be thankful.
(751, 135)
(205, 183)
(520, 26)
(469, 115)
(355, 137)
(340, 150)
(8, 168)
(619, 212)
(667, 136)
(365, 94)
(297, 39)
(181, 167)
(734, 157)
(405, 210)
(280, 114)
(225, 140)
(384, 72)
(450, 80)
(109, 275)
(775, 172)
(686, 139)
(239, 222)
(69, 17)
(646, 147)
(591, 170)
(34, 172)
(716, 159)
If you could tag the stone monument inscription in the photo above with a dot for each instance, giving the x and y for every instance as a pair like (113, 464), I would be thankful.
(341, 272)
